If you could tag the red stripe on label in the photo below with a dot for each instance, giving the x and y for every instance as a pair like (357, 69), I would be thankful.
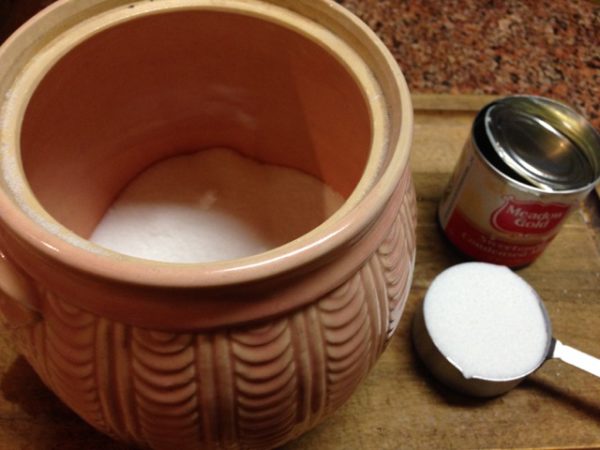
(483, 246)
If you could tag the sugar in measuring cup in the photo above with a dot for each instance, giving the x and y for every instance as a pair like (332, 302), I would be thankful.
(482, 329)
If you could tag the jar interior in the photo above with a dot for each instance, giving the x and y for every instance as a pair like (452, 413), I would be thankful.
(172, 83)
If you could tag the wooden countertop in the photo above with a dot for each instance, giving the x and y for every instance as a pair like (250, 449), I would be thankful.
(399, 405)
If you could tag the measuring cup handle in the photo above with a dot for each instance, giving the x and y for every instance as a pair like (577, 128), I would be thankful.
(576, 358)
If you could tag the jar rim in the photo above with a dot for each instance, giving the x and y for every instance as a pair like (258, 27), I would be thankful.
(358, 213)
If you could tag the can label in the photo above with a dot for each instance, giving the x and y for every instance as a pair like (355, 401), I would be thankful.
(516, 216)
(491, 219)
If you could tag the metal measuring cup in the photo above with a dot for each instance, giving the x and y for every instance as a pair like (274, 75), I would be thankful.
(452, 375)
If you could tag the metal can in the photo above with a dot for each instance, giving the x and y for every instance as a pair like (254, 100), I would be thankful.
(528, 163)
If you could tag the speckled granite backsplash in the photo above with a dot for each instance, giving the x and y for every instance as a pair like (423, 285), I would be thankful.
(543, 47)
(547, 47)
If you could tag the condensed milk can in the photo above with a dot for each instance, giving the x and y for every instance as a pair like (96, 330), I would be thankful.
(526, 166)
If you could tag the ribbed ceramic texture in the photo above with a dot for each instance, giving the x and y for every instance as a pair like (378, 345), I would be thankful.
(249, 387)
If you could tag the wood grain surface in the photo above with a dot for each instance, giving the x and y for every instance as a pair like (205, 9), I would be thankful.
(399, 405)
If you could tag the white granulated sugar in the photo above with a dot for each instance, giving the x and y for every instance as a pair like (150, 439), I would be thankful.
(213, 205)
(487, 320)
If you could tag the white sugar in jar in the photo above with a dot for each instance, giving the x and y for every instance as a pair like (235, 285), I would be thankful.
(213, 205)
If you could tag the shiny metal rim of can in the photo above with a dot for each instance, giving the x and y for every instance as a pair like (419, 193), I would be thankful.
(569, 161)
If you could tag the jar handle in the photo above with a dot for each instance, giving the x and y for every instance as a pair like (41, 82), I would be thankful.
(18, 296)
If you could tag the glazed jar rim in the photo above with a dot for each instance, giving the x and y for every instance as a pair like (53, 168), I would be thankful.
(356, 215)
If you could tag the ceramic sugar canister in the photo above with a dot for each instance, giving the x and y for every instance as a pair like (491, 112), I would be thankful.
(245, 353)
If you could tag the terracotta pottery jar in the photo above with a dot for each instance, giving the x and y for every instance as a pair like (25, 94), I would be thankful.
(245, 353)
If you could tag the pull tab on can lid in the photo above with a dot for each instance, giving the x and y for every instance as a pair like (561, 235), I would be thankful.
(544, 142)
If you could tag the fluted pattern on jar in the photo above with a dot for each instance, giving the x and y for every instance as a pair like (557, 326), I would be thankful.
(255, 386)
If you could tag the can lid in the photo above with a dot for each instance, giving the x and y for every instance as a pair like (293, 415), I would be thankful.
(544, 142)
